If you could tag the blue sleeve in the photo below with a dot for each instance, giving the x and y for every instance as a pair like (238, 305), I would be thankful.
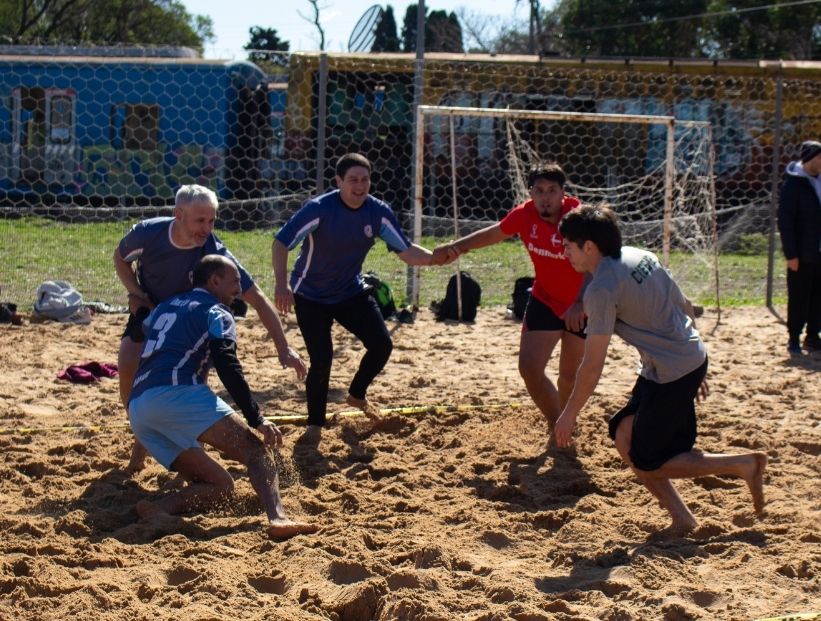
(221, 325)
(131, 246)
(300, 225)
(390, 232)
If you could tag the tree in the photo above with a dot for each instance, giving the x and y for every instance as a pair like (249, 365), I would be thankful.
(443, 33)
(103, 22)
(534, 27)
(631, 27)
(314, 19)
(491, 34)
(409, 28)
(740, 29)
(261, 40)
(386, 38)
(480, 30)
(691, 28)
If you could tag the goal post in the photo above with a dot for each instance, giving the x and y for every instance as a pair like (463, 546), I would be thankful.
(656, 172)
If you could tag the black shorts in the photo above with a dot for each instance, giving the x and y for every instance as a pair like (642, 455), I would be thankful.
(539, 316)
(134, 327)
(665, 419)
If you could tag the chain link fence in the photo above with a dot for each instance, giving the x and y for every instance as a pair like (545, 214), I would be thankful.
(90, 143)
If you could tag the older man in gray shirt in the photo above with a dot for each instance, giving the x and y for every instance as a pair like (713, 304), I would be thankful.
(633, 296)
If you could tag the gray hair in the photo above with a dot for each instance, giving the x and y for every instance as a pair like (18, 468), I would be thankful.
(194, 193)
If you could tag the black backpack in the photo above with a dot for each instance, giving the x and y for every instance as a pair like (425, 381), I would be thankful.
(521, 295)
(381, 292)
(471, 297)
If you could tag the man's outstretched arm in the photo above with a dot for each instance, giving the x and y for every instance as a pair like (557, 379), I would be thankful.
(270, 319)
(229, 370)
(587, 378)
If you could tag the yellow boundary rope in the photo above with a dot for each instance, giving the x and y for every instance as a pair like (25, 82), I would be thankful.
(441, 408)
(798, 616)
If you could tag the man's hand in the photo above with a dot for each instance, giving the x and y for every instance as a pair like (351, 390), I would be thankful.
(574, 317)
(283, 299)
(792, 264)
(440, 256)
(703, 390)
(563, 431)
(291, 359)
(138, 301)
(271, 435)
(447, 253)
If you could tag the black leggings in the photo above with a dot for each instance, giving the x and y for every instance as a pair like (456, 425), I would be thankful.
(359, 315)
(804, 299)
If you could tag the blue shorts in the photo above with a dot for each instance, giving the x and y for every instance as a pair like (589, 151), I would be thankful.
(167, 420)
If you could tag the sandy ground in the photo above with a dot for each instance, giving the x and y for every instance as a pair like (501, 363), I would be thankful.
(451, 509)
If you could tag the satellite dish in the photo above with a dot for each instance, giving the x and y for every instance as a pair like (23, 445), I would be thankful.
(364, 33)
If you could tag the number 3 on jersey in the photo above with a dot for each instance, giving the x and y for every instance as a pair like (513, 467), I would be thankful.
(160, 327)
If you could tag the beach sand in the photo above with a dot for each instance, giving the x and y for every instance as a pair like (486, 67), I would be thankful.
(447, 507)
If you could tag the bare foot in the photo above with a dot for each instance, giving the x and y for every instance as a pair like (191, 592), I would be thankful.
(370, 410)
(175, 483)
(137, 460)
(284, 528)
(148, 510)
(311, 436)
(754, 476)
(682, 526)
(678, 528)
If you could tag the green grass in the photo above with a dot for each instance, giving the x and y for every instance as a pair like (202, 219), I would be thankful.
(34, 249)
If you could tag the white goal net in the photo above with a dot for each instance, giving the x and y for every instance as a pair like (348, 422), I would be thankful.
(656, 172)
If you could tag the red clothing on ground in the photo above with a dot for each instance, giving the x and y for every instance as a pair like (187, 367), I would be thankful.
(557, 284)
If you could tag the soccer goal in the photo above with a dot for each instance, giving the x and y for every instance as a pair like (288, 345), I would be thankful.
(656, 172)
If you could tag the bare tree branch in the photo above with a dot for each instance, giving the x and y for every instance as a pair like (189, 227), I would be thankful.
(25, 23)
(57, 20)
(53, 8)
(315, 21)
(480, 30)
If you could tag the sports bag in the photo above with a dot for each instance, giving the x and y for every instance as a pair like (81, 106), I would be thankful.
(471, 298)
(381, 292)
(521, 294)
(58, 300)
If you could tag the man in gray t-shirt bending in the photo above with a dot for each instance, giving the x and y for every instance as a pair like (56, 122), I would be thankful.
(633, 296)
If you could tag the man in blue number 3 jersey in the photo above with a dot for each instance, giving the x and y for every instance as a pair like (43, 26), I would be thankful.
(337, 230)
(172, 409)
(164, 251)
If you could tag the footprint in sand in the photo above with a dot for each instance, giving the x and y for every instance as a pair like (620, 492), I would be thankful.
(182, 576)
(35, 409)
(342, 572)
(274, 585)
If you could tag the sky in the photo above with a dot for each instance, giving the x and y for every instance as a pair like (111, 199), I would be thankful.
(233, 18)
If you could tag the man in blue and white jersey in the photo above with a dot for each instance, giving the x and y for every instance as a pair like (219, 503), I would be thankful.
(164, 251)
(337, 230)
(172, 409)
(632, 295)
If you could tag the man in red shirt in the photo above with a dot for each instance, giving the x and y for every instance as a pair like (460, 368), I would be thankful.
(554, 312)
